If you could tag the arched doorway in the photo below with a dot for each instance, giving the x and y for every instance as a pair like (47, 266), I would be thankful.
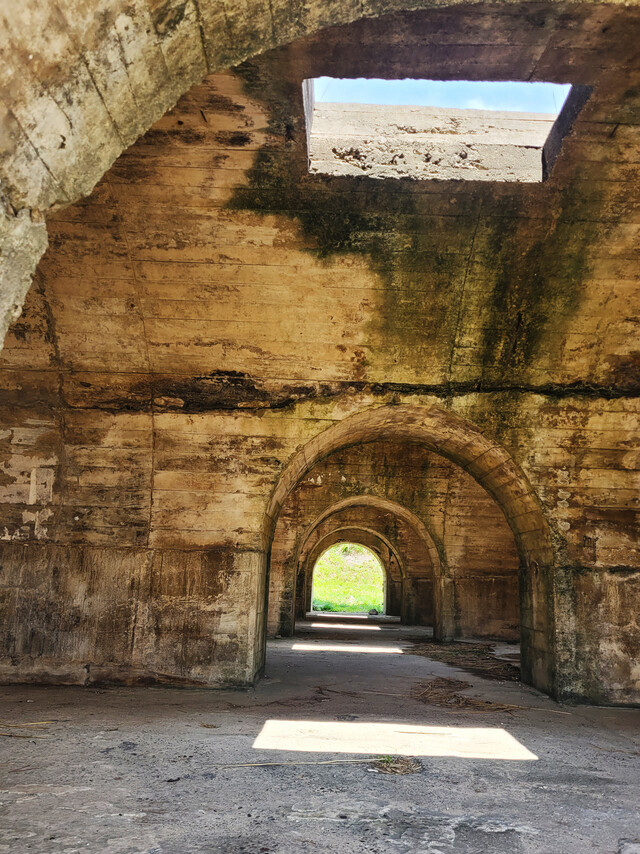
(385, 551)
(491, 465)
(348, 578)
(410, 552)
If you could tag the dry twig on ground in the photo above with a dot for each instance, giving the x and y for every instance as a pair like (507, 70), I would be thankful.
(30, 727)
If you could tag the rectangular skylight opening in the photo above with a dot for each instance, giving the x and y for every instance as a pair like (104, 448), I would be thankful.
(434, 129)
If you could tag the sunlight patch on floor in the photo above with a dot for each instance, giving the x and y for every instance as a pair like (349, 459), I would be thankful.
(345, 626)
(339, 647)
(397, 739)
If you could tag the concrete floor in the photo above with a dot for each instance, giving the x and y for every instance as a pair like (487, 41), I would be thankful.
(151, 770)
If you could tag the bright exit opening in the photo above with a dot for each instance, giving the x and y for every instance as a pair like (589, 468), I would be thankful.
(348, 578)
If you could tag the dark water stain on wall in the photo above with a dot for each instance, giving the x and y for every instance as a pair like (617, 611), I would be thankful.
(510, 293)
(535, 281)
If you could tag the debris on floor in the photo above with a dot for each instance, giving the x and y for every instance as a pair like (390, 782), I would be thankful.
(30, 730)
(285, 763)
(476, 658)
(444, 692)
(302, 701)
(396, 765)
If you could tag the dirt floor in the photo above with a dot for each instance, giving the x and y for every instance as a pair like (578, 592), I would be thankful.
(376, 749)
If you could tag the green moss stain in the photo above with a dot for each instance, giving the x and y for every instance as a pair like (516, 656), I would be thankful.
(533, 273)
(461, 268)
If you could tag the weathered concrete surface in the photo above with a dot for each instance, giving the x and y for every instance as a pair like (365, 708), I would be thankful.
(427, 143)
(82, 80)
(85, 615)
(22, 244)
(214, 318)
(146, 770)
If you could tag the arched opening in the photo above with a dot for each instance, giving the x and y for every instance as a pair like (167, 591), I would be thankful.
(450, 556)
(392, 563)
(491, 466)
(459, 370)
(348, 578)
(410, 553)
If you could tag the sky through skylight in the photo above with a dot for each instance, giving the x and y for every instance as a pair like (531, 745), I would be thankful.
(457, 94)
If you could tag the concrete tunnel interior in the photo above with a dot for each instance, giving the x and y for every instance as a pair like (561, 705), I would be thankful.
(245, 325)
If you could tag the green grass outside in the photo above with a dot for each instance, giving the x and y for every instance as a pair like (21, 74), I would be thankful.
(348, 577)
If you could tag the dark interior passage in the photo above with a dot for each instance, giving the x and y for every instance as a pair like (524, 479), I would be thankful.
(443, 541)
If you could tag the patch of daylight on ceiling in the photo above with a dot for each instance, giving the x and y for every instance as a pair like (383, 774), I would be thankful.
(458, 130)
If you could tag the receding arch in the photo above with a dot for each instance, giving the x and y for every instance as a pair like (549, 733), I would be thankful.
(351, 534)
(430, 538)
(367, 537)
(491, 465)
(444, 619)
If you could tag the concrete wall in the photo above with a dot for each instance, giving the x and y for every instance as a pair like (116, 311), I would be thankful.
(83, 80)
(212, 308)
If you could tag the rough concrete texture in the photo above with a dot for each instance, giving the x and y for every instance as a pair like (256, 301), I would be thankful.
(153, 771)
(214, 321)
(22, 244)
(427, 143)
(82, 80)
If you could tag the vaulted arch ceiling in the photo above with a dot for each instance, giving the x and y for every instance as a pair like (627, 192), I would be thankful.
(82, 81)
